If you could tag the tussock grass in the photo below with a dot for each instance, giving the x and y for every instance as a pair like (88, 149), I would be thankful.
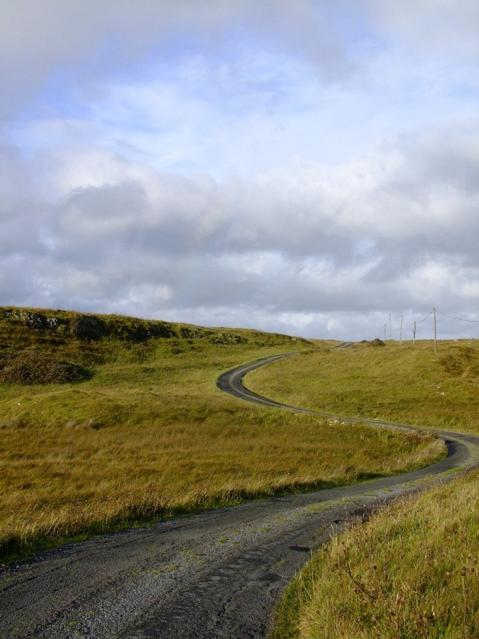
(412, 571)
(149, 435)
(402, 383)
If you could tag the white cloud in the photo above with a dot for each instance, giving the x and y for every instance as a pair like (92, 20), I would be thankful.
(298, 249)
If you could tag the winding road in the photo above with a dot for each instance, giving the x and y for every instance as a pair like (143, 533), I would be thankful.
(212, 575)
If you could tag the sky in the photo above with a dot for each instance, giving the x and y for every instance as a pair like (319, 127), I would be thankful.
(302, 166)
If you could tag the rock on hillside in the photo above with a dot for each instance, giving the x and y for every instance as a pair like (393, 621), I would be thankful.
(49, 325)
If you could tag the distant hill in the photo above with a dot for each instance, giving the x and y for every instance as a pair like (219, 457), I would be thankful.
(94, 338)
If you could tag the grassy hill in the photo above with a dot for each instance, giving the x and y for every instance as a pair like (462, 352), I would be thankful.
(44, 346)
(399, 382)
(95, 339)
(145, 433)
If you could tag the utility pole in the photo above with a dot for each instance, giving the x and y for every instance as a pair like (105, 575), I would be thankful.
(414, 333)
(400, 330)
(390, 327)
(434, 314)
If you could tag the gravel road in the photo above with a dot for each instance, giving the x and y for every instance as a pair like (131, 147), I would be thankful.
(207, 576)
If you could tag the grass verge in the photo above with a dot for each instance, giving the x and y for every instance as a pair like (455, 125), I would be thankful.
(410, 572)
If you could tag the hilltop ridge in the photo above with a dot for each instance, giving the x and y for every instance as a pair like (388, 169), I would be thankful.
(94, 336)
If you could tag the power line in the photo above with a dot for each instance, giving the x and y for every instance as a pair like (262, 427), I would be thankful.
(460, 319)
(424, 318)
(415, 323)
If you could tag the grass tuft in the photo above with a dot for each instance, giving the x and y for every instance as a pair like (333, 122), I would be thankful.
(461, 361)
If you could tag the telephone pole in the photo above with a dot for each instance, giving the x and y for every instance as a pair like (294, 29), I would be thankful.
(414, 332)
(434, 315)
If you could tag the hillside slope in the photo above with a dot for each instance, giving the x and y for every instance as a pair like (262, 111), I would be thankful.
(141, 430)
(95, 338)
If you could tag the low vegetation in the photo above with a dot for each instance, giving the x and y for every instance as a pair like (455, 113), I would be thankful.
(34, 367)
(412, 571)
(148, 434)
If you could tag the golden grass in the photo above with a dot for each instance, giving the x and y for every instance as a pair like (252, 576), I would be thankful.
(151, 435)
(411, 572)
(402, 383)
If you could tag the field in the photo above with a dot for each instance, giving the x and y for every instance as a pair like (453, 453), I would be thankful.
(403, 383)
(144, 433)
(412, 571)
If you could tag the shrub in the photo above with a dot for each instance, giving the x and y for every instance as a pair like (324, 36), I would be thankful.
(33, 367)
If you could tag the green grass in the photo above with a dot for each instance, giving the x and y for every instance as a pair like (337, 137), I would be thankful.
(149, 435)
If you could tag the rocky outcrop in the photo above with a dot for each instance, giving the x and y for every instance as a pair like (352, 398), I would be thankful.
(90, 327)
(25, 327)
(34, 319)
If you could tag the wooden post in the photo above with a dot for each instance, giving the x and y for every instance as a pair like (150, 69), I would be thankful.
(400, 330)
(414, 333)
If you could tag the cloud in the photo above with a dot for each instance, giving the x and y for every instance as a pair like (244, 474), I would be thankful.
(80, 44)
(56, 45)
(391, 231)
(445, 27)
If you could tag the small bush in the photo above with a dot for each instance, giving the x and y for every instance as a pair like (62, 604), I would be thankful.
(32, 367)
